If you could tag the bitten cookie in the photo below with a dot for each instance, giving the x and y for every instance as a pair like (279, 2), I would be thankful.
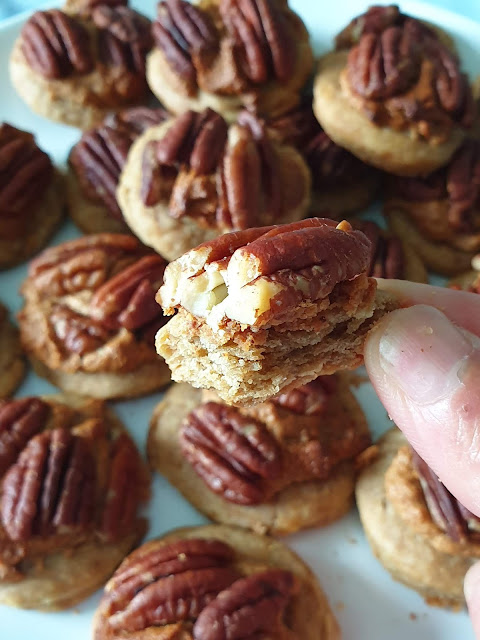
(90, 317)
(194, 177)
(387, 98)
(264, 310)
(228, 55)
(279, 467)
(421, 534)
(12, 365)
(95, 164)
(31, 196)
(341, 183)
(214, 582)
(68, 514)
(439, 216)
(77, 64)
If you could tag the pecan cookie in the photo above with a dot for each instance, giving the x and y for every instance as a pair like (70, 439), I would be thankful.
(228, 55)
(95, 164)
(281, 466)
(77, 64)
(12, 365)
(90, 317)
(211, 583)
(397, 98)
(71, 484)
(31, 196)
(421, 534)
(439, 216)
(390, 257)
(341, 183)
(264, 310)
(195, 177)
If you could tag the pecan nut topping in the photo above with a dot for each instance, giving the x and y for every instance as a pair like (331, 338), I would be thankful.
(56, 45)
(167, 584)
(124, 37)
(100, 155)
(463, 187)
(446, 511)
(387, 256)
(263, 42)
(249, 608)
(20, 420)
(183, 32)
(51, 487)
(76, 333)
(234, 455)
(26, 172)
(310, 399)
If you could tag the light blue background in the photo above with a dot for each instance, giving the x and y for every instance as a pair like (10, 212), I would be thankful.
(469, 8)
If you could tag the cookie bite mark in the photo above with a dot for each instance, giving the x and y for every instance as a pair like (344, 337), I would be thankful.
(78, 64)
(94, 300)
(194, 178)
(31, 196)
(263, 310)
(67, 516)
(228, 55)
(201, 582)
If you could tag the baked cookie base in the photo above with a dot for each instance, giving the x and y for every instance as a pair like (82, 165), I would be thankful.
(41, 225)
(12, 364)
(437, 577)
(397, 152)
(89, 216)
(302, 505)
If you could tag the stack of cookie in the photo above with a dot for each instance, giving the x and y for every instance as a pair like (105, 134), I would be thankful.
(220, 206)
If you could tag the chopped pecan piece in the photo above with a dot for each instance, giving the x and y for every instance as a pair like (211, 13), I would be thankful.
(265, 47)
(56, 45)
(309, 399)
(387, 256)
(183, 31)
(77, 333)
(248, 609)
(234, 455)
(124, 37)
(19, 421)
(50, 488)
(25, 172)
(446, 511)
(163, 584)
(463, 186)
(128, 299)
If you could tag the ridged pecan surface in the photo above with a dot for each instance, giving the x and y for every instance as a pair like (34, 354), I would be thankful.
(387, 256)
(309, 399)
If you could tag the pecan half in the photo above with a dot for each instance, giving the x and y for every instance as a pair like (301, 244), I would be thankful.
(234, 455)
(446, 511)
(77, 333)
(249, 608)
(431, 187)
(128, 299)
(163, 584)
(384, 65)
(19, 421)
(26, 172)
(50, 488)
(56, 45)
(124, 37)
(182, 31)
(309, 399)
(463, 186)
(137, 119)
(387, 255)
(264, 45)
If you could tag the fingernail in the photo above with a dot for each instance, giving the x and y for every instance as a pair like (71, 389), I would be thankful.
(424, 353)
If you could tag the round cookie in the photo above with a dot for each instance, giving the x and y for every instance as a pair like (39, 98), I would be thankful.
(12, 365)
(194, 178)
(223, 63)
(31, 197)
(97, 65)
(232, 557)
(63, 548)
(94, 168)
(310, 489)
(404, 550)
(90, 317)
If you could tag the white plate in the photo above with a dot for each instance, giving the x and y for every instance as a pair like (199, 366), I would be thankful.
(367, 602)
